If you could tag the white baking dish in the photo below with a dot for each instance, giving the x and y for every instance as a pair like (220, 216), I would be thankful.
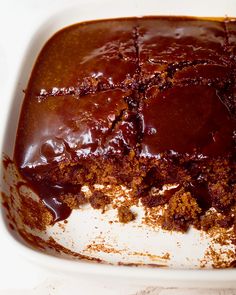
(132, 243)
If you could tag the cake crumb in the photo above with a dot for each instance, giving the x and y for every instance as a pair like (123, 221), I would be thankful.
(99, 200)
(125, 215)
(181, 211)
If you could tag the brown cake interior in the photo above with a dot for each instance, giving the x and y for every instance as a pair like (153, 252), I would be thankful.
(145, 103)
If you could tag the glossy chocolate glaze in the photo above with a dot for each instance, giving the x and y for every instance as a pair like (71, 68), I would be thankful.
(81, 55)
(186, 119)
(143, 85)
(164, 43)
(72, 127)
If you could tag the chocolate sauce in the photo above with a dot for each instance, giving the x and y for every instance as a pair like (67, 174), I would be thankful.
(50, 194)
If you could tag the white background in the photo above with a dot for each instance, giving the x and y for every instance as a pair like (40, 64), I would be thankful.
(18, 276)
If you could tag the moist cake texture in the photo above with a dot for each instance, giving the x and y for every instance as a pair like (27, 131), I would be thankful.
(143, 103)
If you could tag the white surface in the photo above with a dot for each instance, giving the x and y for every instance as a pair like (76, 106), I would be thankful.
(16, 19)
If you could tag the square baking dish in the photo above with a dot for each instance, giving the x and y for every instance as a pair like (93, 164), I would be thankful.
(133, 251)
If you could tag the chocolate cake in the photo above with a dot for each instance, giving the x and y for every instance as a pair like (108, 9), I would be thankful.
(143, 103)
